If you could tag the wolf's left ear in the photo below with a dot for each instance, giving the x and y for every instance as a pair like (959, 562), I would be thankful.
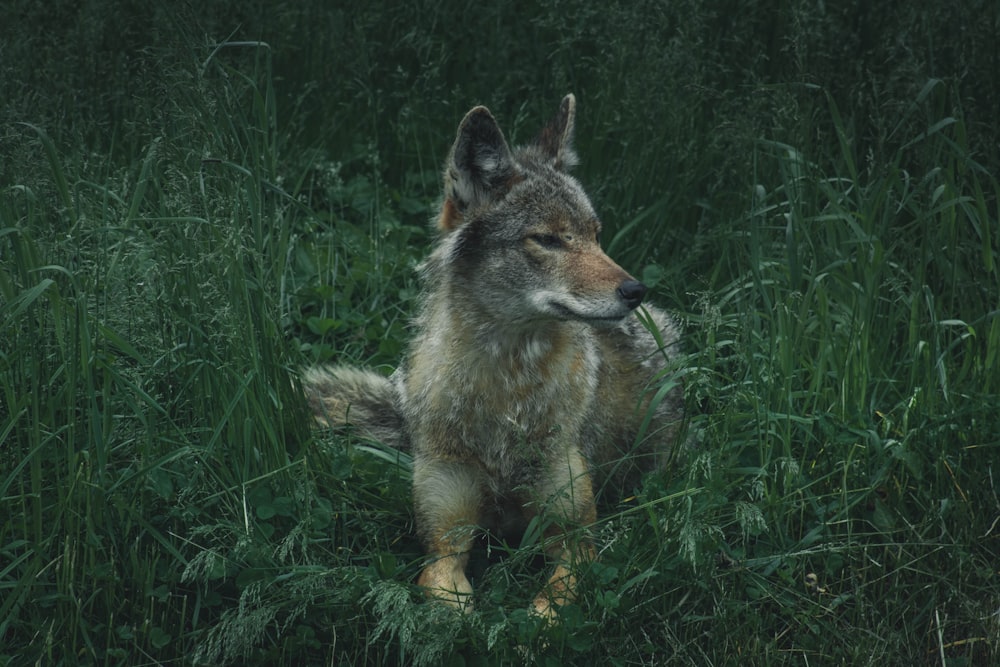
(480, 168)
(556, 139)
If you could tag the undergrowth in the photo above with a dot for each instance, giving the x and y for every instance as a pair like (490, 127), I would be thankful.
(818, 205)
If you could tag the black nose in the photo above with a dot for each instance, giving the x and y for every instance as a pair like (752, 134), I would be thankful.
(631, 292)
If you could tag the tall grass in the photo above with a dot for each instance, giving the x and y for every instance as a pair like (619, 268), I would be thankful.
(825, 224)
(842, 354)
(144, 376)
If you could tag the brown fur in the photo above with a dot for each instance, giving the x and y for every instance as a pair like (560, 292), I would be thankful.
(529, 380)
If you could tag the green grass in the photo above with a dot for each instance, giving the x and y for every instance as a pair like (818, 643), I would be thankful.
(202, 203)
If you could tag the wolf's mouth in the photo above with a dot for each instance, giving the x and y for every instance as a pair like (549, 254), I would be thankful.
(564, 312)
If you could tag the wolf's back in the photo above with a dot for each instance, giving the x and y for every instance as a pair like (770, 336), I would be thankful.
(365, 400)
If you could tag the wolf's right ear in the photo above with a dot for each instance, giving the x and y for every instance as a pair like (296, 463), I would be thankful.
(480, 168)
(556, 139)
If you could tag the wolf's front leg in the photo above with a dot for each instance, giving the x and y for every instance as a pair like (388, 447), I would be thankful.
(570, 495)
(447, 497)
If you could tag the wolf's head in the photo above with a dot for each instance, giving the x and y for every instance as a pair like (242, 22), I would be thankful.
(519, 235)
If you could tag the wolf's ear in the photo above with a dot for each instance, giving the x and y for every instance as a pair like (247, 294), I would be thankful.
(556, 139)
(480, 168)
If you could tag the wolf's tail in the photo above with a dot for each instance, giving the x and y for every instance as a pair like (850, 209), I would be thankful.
(342, 396)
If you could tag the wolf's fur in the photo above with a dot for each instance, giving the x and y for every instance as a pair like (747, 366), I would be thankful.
(530, 379)
(341, 395)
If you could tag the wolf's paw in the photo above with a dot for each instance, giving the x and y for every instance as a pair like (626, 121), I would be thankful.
(446, 584)
(544, 608)
(461, 602)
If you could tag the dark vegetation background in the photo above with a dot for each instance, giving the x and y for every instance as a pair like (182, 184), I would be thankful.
(196, 199)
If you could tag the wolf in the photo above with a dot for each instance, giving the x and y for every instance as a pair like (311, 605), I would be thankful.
(530, 382)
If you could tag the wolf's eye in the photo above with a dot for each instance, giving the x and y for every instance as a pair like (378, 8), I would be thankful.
(550, 241)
